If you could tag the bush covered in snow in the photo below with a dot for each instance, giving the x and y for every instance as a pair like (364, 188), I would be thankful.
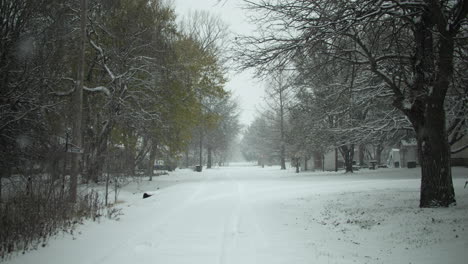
(28, 219)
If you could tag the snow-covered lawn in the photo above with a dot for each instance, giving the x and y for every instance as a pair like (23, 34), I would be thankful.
(254, 215)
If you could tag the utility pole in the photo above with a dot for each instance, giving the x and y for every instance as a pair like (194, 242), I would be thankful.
(77, 105)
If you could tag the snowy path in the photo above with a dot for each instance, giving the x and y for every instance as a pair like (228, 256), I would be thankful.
(251, 215)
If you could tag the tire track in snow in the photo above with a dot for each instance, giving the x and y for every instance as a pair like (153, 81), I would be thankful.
(243, 236)
(161, 221)
(231, 231)
(259, 241)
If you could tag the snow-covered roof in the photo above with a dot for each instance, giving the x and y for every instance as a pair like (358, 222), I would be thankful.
(409, 143)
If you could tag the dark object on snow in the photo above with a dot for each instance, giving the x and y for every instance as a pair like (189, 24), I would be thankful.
(198, 168)
(411, 164)
(465, 184)
(145, 195)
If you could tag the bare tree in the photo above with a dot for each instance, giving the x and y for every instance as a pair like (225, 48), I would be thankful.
(259, 141)
(77, 105)
(210, 31)
(220, 137)
(278, 101)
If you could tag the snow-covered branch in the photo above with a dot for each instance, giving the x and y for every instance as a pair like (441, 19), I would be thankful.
(101, 52)
(100, 89)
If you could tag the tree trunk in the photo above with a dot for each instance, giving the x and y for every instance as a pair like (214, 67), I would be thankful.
(1, 176)
(187, 163)
(201, 148)
(95, 166)
(378, 153)
(152, 158)
(209, 158)
(434, 157)
(323, 161)
(130, 164)
(129, 150)
(362, 149)
(142, 153)
(348, 155)
(432, 78)
(283, 150)
(78, 107)
(282, 158)
(336, 160)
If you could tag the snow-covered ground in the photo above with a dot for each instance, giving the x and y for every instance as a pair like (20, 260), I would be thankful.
(253, 215)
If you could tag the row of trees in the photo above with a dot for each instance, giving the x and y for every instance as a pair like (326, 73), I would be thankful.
(368, 72)
(267, 139)
(101, 86)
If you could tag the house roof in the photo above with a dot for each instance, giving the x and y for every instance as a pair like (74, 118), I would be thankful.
(409, 143)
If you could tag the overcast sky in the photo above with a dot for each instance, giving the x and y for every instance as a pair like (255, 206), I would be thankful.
(249, 91)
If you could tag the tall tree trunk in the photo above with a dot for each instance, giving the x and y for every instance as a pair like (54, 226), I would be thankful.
(187, 163)
(96, 166)
(323, 162)
(433, 71)
(434, 157)
(282, 157)
(362, 151)
(78, 106)
(130, 160)
(336, 159)
(283, 151)
(209, 158)
(152, 159)
(429, 123)
(201, 148)
(378, 153)
(348, 155)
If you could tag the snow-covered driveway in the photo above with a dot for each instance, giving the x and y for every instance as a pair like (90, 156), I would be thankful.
(255, 215)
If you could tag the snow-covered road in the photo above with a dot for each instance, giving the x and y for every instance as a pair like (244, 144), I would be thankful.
(253, 215)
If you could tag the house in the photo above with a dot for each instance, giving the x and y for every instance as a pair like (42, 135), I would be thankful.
(409, 153)
(406, 156)
(460, 158)
(393, 160)
(326, 162)
(330, 160)
(317, 161)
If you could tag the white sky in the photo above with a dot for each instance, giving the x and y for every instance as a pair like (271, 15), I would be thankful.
(249, 91)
